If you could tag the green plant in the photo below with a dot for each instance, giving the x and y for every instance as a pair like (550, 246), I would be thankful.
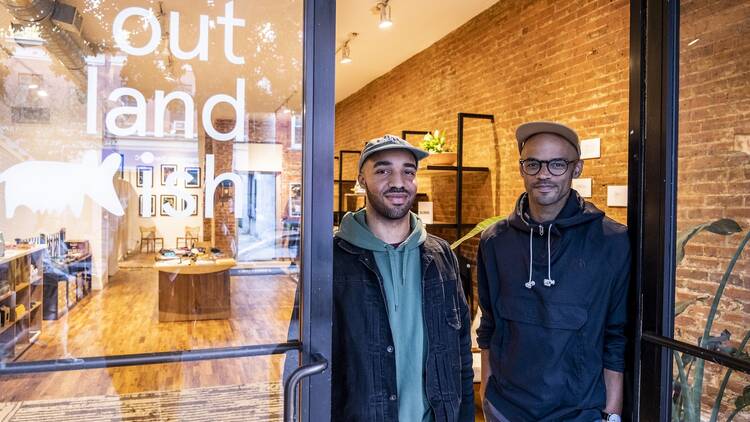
(435, 142)
(686, 400)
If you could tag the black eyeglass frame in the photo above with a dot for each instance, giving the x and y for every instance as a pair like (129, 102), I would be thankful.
(546, 163)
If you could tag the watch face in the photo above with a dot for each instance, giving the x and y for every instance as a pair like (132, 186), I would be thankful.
(614, 418)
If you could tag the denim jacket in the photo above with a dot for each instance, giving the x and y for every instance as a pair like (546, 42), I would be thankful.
(363, 365)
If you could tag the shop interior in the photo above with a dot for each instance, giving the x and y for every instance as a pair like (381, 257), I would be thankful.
(84, 278)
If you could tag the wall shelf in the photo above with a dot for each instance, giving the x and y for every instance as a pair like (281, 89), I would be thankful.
(458, 170)
(16, 267)
(6, 295)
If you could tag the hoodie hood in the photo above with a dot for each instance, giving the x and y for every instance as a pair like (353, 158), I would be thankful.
(396, 264)
(354, 230)
(575, 212)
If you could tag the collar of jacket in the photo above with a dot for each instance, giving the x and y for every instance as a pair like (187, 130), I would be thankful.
(427, 250)
(520, 219)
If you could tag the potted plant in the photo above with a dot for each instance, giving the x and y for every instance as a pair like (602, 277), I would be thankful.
(440, 152)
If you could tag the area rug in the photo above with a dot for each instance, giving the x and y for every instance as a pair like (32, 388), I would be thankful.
(259, 402)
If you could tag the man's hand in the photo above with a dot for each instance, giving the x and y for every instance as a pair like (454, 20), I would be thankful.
(613, 383)
(486, 372)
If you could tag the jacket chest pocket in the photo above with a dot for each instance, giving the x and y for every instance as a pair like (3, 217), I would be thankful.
(442, 313)
(542, 342)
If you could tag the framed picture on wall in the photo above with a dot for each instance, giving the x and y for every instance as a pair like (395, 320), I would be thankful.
(295, 199)
(197, 205)
(167, 199)
(195, 174)
(141, 173)
(152, 208)
(166, 170)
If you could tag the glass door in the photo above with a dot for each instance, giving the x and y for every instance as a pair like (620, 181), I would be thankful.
(691, 163)
(158, 212)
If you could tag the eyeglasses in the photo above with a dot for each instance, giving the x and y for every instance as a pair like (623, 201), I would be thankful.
(556, 167)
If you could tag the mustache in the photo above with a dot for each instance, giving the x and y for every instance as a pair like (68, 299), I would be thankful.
(396, 190)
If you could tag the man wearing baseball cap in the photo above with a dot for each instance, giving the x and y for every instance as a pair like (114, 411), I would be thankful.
(401, 329)
(553, 280)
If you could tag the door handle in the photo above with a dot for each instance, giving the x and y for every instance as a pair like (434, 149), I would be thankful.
(290, 385)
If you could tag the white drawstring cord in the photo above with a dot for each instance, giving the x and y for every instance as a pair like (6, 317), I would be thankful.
(549, 282)
(531, 282)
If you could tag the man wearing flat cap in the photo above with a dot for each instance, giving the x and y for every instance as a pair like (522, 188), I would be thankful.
(401, 328)
(553, 280)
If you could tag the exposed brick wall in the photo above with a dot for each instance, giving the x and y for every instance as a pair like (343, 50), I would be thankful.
(292, 172)
(224, 222)
(714, 173)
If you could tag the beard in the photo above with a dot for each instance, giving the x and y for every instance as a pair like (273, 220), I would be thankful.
(392, 212)
(548, 193)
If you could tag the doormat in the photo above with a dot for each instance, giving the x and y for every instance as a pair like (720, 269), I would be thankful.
(260, 402)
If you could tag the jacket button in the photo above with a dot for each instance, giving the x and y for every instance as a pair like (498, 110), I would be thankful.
(392, 397)
(389, 349)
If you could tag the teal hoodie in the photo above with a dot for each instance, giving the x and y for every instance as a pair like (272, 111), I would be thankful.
(401, 270)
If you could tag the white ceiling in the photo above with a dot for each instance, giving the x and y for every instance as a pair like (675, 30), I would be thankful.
(417, 24)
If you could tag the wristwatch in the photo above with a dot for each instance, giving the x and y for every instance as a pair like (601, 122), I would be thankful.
(611, 417)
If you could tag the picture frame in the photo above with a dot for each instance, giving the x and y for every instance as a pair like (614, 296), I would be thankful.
(195, 173)
(295, 199)
(197, 205)
(166, 170)
(164, 200)
(152, 208)
(140, 172)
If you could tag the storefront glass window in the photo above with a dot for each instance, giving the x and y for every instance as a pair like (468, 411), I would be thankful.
(150, 189)
(712, 303)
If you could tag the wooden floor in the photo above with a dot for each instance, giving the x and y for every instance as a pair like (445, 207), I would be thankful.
(123, 319)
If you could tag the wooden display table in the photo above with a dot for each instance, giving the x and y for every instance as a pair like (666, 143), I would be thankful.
(194, 291)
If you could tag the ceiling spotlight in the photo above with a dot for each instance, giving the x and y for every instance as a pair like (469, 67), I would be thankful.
(41, 93)
(33, 86)
(345, 59)
(385, 15)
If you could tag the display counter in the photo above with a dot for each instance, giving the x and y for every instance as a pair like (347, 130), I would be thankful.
(192, 291)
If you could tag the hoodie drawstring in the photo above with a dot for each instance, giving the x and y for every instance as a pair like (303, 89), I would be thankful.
(529, 284)
(548, 282)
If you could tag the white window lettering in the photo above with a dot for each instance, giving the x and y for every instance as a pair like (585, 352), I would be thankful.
(238, 104)
(201, 50)
(160, 106)
(172, 188)
(212, 183)
(139, 127)
(230, 22)
(122, 36)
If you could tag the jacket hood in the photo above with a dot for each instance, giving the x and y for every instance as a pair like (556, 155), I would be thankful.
(575, 212)
(354, 230)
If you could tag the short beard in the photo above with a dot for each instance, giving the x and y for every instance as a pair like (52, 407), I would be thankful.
(391, 213)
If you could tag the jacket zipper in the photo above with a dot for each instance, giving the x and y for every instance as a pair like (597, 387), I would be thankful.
(541, 230)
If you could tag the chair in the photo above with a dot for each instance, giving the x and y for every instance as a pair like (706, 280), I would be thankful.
(149, 239)
(191, 236)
